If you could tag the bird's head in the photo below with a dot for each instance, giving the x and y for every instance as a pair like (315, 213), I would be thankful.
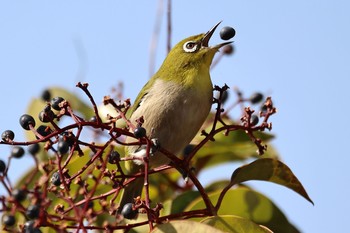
(194, 51)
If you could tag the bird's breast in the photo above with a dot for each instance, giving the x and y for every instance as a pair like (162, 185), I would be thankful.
(173, 114)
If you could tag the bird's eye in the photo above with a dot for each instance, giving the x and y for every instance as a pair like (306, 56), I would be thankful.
(190, 47)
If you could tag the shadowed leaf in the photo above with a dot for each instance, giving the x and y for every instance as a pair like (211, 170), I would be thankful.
(269, 170)
(249, 204)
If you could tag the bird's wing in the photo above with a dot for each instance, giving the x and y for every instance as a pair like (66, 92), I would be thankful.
(140, 97)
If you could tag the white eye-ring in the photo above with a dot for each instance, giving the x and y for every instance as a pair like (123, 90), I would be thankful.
(190, 47)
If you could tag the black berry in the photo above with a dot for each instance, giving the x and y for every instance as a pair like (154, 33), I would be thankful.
(263, 108)
(25, 120)
(254, 120)
(227, 33)
(19, 194)
(140, 132)
(256, 97)
(7, 135)
(33, 149)
(69, 137)
(55, 103)
(62, 146)
(46, 115)
(55, 179)
(17, 152)
(29, 227)
(33, 211)
(8, 220)
(128, 211)
(2, 166)
(188, 150)
(46, 95)
(90, 205)
(114, 157)
(43, 130)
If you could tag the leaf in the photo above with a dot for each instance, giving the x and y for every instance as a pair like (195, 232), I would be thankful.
(185, 226)
(235, 224)
(215, 153)
(216, 186)
(181, 202)
(249, 204)
(47, 230)
(271, 170)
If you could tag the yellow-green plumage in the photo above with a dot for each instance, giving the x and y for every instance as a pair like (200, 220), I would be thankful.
(174, 104)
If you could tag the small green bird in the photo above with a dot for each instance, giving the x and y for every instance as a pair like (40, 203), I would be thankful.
(174, 104)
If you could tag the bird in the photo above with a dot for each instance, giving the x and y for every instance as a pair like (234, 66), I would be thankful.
(174, 104)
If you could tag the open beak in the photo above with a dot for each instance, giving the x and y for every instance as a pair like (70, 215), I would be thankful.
(207, 36)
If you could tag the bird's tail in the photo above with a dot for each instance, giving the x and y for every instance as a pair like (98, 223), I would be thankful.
(131, 191)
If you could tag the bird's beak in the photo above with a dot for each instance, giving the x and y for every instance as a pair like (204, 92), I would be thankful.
(207, 36)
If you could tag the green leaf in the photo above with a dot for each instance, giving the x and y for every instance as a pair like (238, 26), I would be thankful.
(185, 226)
(249, 204)
(215, 153)
(47, 230)
(269, 170)
(181, 202)
(216, 186)
(235, 224)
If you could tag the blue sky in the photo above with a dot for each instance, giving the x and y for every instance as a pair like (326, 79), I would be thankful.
(297, 51)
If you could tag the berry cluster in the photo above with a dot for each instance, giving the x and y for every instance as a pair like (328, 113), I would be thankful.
(78, 181)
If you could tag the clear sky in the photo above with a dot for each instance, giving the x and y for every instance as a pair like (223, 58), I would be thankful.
(297, 51)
